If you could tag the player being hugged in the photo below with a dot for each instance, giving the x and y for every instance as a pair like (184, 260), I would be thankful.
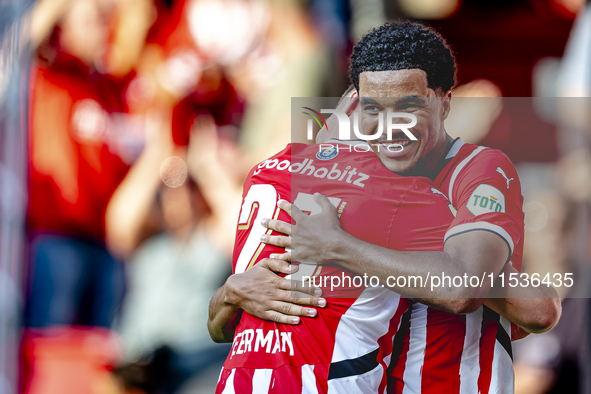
(347, 347)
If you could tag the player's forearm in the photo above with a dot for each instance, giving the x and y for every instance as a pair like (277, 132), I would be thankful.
(534, 315)
(535, 309)
(418, 268)
(223, 317)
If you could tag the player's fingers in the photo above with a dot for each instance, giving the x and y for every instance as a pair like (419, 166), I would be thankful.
(277, 240)
(285, 257)
(291, 209)
(297, 297)
(281, 318)
(287, 308)
(285, 205)
(305, 287)
(296, 213)
(278, 265)
(324, 202)
(300, 286)
(278, 225)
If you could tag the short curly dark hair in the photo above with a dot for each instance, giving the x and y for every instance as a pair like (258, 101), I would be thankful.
(405, 45)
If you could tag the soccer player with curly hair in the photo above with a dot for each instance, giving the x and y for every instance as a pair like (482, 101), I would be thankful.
(453, 339)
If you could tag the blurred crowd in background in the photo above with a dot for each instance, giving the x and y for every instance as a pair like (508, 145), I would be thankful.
(143, 118)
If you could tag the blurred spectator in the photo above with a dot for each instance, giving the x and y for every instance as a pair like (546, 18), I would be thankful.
(73, 174)
(291, 62)
(79, 145)
(174, 272)
(572, 367)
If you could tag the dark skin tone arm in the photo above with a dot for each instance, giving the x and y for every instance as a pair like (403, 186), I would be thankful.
(223, 317)
(319, 238)
(515, 304)
(533, 309)
(262, 293)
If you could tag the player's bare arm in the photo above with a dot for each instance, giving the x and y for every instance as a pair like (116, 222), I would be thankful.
(263, 294)
(223, 317)
(321, 238)
(536, 309)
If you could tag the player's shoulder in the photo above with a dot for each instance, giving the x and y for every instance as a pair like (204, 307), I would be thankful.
(480, 156)
(471, 162)
(485, 179)
(490, 166)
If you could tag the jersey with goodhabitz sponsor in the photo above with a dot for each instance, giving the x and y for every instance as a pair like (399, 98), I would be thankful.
(346, 347)
(439, 352)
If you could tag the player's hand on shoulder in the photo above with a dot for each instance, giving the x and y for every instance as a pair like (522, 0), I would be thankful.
(262, 293)
(312, 237)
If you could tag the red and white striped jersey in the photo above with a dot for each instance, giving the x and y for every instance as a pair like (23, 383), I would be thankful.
(438, 352)
(347, 347)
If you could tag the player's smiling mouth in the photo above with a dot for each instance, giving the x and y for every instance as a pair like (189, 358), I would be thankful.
(398, 146)
(402, 143)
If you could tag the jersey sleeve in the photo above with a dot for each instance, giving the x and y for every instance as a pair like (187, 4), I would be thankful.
(487, 196)
(421, 219)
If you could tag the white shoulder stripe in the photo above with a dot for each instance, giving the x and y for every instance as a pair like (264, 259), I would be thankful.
(459, 168)
(462, 228)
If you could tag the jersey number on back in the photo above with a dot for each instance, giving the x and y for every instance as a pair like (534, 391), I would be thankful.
(265, 197)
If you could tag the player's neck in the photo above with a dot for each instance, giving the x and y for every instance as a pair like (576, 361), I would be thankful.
(437, 155)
